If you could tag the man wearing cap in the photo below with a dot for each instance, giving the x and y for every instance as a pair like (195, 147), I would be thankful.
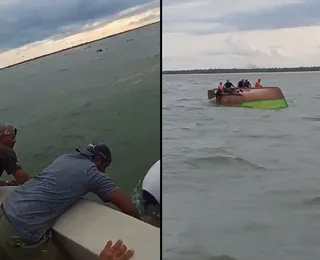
(8, 158)
(29, 212)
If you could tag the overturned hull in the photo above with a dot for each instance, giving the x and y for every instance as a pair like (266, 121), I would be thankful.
(264, 98)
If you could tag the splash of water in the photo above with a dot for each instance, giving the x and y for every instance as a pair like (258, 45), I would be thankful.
(136, 196)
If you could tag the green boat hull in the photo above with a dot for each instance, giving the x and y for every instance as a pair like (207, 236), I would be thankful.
(266, 104)
(260, 98)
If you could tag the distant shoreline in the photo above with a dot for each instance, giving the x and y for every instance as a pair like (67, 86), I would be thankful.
(78, 45)
(234, 70)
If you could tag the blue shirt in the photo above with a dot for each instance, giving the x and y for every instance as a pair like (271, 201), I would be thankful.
(34, 207)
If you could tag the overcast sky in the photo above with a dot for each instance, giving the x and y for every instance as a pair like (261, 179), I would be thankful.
(27, 21)
(240, 33)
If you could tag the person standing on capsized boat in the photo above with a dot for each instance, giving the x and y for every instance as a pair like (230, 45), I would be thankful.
(219, 92)
(247, 84)
(258, 84)
(241, 83)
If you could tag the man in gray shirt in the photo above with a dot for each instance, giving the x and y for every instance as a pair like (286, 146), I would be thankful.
(29, 212)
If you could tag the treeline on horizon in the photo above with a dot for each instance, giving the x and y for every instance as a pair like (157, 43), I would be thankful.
(237, 70)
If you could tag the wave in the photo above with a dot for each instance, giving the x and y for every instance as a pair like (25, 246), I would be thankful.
(222, 257)
(195, 252)
(264, 136)
(222, 160)
(189, 99)
(312, 202)
(194, 108)
(186, 108)
(166, 107)
(311, 118)
(4, 109)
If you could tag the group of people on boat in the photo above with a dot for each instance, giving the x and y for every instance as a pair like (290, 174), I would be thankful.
(229, 88)
(244, 83)
(28, 213)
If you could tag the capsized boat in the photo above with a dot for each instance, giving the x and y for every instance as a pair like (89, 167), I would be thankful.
(264, 98)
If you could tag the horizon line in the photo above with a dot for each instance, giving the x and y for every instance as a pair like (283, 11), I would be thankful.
(233, 70)
(78, 45)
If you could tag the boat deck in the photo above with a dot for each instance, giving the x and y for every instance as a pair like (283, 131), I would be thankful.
(87, 226)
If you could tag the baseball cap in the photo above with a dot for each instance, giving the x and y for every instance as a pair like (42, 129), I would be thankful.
(94, 149)
(7, 129)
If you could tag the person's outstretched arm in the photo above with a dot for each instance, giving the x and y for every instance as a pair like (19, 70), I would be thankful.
(101, 184)
(123, 202)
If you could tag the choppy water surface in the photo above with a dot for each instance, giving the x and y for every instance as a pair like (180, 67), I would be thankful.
(80, 95)
(241, 183)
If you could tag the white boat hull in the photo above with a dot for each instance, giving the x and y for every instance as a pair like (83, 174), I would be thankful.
(85, 229)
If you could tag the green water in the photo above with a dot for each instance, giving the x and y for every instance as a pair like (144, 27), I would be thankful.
(68, 99)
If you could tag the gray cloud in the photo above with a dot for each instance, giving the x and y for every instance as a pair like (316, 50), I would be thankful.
(236, 47)
(295, 15)
(24, 22)
(206, 14)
